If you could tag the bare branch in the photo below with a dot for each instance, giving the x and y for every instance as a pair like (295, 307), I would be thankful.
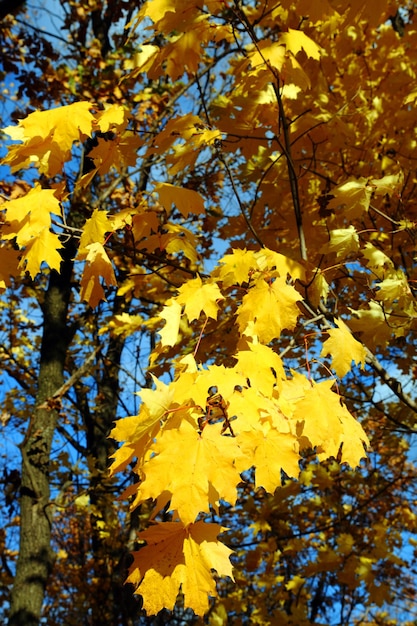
(55, 400)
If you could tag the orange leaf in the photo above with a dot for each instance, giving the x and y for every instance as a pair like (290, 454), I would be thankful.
(9, 260)
(97, 265)
(179, 557)
(186, 200)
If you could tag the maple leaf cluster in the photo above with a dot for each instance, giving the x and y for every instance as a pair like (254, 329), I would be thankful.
(307, 229)
(194, 438)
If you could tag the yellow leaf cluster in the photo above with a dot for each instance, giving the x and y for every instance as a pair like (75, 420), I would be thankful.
(28, 223)
(232, 406)
(231, 419)
(48, 136)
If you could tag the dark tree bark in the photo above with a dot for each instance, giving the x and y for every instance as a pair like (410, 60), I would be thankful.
(10, 6)
(35, 555)
(110, 607)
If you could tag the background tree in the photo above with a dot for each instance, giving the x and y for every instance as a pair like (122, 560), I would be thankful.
(295, 125)
(85, 408)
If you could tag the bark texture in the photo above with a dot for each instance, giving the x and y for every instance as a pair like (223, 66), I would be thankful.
(35, 555)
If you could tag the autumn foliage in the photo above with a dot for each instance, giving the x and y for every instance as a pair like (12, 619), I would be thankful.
(235, 182)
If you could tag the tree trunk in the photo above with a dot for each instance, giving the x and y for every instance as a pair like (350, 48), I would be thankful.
(35, 554)
(105, 609)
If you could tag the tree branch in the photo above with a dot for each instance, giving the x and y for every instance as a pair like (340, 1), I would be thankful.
(392, 383)
(54, 401)
(291, 172)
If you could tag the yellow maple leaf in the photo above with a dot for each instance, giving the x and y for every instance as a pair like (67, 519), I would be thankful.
(181, 240)
(98, 265)
(123, 218)
(345, 543)
(271, 306)
(41, 249)
(250, 410)
(318, 414)
(128, 145)
(184, 50)
(352, 197)
(239, 266)
(158, 400)
(113, 116)
(117, 153)
(105, 155)
(271, 452)
(197, 297)
(127, 429)
(192, 134)
(94, 230)
(121, 458)
(28, 222)
(394, 287)
(266, 54)
(179, 557)
(390, 184)
(203, 476)
(137, 432)
(156, 10)
(297, 40)
(187, 31)
(236, 268)
(223, 379)
(353, 439)
(295, 584)
(325, 421)
(343, 241)
(343, 348)
(171, 313)
(269, 259)
(48, 136)
(123, 324)
(29, 215)
(243, 408)
(319, 288)
(262, 366)
(377, 260)
(142, 60)
(186, 200)
(372, 325)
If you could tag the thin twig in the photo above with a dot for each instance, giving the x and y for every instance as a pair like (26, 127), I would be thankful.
(372, 361)
(239, 201)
